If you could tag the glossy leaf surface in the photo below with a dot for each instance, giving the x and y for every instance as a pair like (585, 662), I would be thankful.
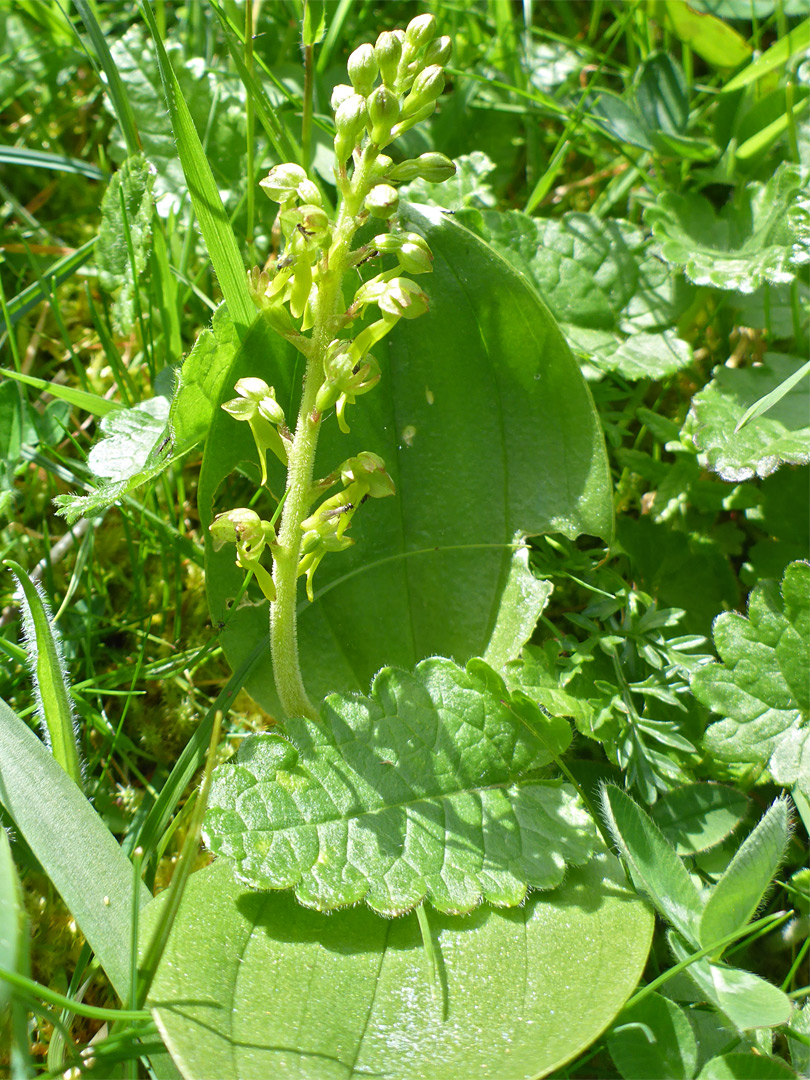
(488, 430)
(423, 790)
(253, 985)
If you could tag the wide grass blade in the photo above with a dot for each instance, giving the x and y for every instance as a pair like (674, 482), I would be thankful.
(214, 224)
(75, 848)
(14, 957)
(48, 672)
(82, 399)
(22, 156)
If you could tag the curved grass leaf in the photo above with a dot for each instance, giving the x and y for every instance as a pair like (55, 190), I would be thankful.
(14, 957)
(49, 675)
(655, 868)
(41, 159)
(760, 236)
(759, 448)
(739, 891)
(653, 1038)
(81, 399)
(542, 981)
(59, 271)
(426, 789)
(761, 687)
(474, 398)
(75, 848)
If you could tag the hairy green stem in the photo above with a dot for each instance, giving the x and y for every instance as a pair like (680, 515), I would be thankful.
(301, 455)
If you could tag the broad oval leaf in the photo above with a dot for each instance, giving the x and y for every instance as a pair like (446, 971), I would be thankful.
(427, 788)
(488, 430)
(253, 985)
(737, 1066)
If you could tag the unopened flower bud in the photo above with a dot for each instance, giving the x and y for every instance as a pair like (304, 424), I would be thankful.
(339, 95)
(427, 87)
(411, 249)
(282, 182)
(350, 121)
(404, 172)
(388, 53)
(383, 112)
(420, 31)
(382, 201)
(435, 167)
(363, 68)
(308, 193)
(439, 51)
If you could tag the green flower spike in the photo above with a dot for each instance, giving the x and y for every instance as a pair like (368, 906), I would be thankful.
(251, 535)
(258, 406)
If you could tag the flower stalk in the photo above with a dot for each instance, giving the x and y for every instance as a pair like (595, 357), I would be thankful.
(303, 300)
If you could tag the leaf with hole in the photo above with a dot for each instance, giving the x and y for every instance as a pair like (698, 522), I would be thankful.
(428, 788)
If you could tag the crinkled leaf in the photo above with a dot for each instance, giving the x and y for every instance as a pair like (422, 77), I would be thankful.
(747, 1000)
(655, 868)
(130, 453)
(423, 789)
(761, 235)
(613, 302)
(468, 187)
(739, 891)
(699, 816)
(760, 687)
(653, 1038)
(126, 207)
(781, 435)
(200, 384)
(542, 981)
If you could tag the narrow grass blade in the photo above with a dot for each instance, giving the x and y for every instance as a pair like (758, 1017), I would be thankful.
(115, 85)
(794, 42)
(338, 15)
(60, 271)
(49, 675)
(82, 399)
(760, 407)
(185, 865)
(14, 957)
(75, 848)
(40, 159)
(214, 224)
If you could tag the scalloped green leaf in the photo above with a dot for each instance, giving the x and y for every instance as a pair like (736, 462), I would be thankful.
(780, 436)
(426, 789)
(474, 398)
(762, 235)
(760, 687)
(614, 302)
(252, 985)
